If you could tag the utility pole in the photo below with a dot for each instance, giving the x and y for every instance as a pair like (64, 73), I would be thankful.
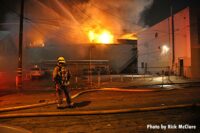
(19, 69)
(173, 45)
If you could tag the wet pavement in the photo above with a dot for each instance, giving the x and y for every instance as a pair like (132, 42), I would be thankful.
(113, 123)
(174, 94)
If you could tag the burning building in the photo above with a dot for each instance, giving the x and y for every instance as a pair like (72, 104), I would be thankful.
(119, 56)
(68, 28)
(73, 28)
(155, 48)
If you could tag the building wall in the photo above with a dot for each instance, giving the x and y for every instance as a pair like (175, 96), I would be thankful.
(8, 52)
(150, 43)
(118, 55)
(182, 42)
(152, 40)
(7, 46)
(195, 41)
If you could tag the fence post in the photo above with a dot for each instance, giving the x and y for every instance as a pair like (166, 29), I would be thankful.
(110, 78)
(121, 78)
(132, 77)
(99, 79)
(176, 69)
(185, 73)
(76, 81)
(162, 78)
(88, 78)
(169, 73)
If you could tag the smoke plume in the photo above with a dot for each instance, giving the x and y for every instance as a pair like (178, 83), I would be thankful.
(68, 21)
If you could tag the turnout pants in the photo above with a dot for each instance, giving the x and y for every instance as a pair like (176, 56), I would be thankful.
(59, 92)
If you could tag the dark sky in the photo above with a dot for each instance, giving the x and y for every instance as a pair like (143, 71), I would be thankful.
(158, 11)
(161, 9)
(7, 6)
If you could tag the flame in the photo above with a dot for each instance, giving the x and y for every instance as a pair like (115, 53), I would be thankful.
(38, 43)
(102, 36)
(129, 36)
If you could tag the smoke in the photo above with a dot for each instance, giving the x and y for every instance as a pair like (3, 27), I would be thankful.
(68, 21)
(121, 17)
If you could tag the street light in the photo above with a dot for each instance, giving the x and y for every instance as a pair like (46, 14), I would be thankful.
(165, 49)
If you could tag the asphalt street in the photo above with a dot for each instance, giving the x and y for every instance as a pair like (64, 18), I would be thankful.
(174, 119)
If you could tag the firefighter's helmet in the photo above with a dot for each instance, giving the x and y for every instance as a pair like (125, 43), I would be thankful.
(61, 60)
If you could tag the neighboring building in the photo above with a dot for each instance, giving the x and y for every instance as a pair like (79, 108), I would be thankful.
(7, 47)
(155, 51)
(8, 52)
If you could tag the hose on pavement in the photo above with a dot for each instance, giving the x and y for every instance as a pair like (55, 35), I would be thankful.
(77, 95)
(96, 112)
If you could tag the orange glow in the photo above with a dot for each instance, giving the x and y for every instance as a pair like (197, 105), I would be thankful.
(102, 36)
(39, 43)
(129, 36)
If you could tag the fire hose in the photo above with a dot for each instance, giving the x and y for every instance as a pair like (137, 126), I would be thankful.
(96, 112)
(76, 95)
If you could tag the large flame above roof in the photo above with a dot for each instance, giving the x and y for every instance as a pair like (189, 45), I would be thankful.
(101, 36)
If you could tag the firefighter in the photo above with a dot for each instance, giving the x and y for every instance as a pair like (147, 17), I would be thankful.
(61, 77)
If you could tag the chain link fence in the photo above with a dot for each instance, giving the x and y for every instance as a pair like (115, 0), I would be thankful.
(99, 77)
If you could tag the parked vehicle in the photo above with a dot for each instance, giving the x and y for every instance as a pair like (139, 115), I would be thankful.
(36, 72)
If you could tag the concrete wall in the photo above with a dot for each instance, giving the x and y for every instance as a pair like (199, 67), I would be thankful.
(150, 43)
(182, 42)
(152, 40)
(195, 43)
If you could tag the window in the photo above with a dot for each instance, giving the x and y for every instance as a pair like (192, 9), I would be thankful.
(156, 34)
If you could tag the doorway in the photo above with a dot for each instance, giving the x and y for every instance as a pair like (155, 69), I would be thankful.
(181, 67)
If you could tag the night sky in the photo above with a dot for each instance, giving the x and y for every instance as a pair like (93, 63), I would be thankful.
(7, 6)
(158, 11)
(161, 9)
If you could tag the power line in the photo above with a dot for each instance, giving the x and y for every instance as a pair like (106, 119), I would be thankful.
(114, 15)
(58, 34)
(88, 16)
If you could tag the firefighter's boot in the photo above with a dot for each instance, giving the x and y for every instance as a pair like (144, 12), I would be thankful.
(59, 106)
